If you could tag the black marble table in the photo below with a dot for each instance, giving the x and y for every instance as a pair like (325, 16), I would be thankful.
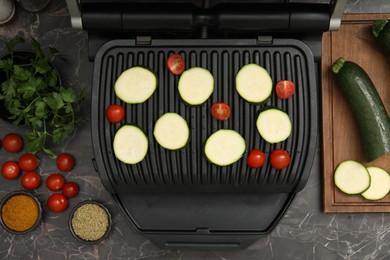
(304, 232)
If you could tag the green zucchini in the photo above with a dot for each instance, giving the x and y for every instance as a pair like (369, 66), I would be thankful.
(367, 106)
(381, 32)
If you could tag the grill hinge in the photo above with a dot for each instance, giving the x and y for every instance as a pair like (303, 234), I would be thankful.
(264, 40)
(143, 40)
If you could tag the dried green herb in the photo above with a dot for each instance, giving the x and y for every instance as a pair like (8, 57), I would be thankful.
(33, 96)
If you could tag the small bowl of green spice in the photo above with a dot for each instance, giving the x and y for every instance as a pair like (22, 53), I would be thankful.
(90, 222)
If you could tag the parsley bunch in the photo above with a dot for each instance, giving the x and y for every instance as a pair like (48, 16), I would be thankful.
(33, 96)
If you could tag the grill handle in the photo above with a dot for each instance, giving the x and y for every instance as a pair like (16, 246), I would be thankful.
(136, 17)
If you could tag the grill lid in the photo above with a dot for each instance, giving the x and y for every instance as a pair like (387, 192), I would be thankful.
(246, 15)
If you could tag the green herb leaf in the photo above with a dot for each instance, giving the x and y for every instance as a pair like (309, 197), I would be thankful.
(54, 101)
(36, 47)
(6, 65)
(34, 141)
(10, 45)
(68, 95)
(42, 66)
(40, 110)
(50, 153)
(52, 78)
(21, 73)
(61, 133)
(9, 88)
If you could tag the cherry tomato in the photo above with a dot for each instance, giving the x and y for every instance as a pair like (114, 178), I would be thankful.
(115, 113)
(280, 159)
(12, 143)
(55, 182)
(285, 89)
(220, 111)
(256, 158)
(176, 64)
(57, 202)
(30, 180)
(70, 189)
(28, 162)
(65, 162)
(10, 170)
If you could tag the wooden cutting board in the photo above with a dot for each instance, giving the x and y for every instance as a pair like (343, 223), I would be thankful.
(341, 140)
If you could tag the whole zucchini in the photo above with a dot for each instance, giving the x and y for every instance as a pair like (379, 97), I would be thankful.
(381, 32)
(367, 106)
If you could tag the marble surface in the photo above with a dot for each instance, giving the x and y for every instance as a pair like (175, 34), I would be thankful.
(303, 233)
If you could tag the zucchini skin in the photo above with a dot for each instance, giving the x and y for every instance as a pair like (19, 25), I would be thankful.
(367, 106)
(381, 32)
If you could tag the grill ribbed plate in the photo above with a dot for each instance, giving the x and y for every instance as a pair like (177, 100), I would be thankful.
(187, 169)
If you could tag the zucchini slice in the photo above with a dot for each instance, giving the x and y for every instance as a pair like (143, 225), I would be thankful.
(367, 106)
(136, 85)
(224, 147)
(130, 144)
(254, 84)
(196, 85)
(274, 125)
(171, 131)
(352, 177)
(380, 184)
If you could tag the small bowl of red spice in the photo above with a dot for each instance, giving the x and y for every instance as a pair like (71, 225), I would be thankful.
(21, 212)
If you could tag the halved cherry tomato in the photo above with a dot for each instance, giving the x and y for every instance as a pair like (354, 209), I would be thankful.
(30, 180)
(285, 89)
(176, 64)
(12, 142)
(65, 162)
(220, 111)
(256, 158)
(10, 170)
(115, 113)
(28, 162)
(57, 202)
(280, 159)
(70, 189)
(55, 182)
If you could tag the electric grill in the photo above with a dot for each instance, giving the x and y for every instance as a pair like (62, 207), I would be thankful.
(177, 199)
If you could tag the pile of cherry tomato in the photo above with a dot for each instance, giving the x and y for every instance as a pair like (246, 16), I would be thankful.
(28, 163)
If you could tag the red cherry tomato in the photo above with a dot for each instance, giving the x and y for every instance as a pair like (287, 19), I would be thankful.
(176, 64)
(12, 143)
(285, 89)
(57, 202)
(115, 113)
(65, 162)
(280, 159)
(70, 189)
(30, 180)
(55, 182)
(10, 170)
(220, 111)
(256, 158)
(28, 162)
